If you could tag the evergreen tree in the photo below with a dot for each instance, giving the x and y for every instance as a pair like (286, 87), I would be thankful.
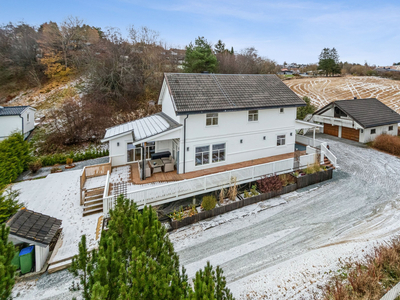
(329, 61)
(219, 47)
(14, 158)
(303, 111)
(136, 260)
(7, 270)
(8, 204)
(210, 284)
(232, 52)
(199, 57)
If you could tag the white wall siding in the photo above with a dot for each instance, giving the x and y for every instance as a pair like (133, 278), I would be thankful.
(10, 124)
(29, 126)
(233, 127)
(366, 136)
(41, 254)
(119, 153)
(168, 107)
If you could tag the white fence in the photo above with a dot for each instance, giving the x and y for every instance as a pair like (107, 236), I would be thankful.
(317, 143)
(332, 158)
(186, 188)
(307, 141)
(393, 293)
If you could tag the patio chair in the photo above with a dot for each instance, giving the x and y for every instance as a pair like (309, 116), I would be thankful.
(170, 166)
(166, 159)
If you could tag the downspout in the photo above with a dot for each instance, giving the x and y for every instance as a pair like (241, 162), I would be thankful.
(184, 144)
(23, 135)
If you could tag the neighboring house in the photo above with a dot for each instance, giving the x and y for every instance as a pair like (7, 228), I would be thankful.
(16, 118)
(360, 120)
(31, 228)
(211, 120)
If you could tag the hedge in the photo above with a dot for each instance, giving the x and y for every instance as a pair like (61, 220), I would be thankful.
(14, 158)
(61, 158)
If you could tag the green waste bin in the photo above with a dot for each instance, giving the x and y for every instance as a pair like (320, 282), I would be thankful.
(15, 260)
(26, 259)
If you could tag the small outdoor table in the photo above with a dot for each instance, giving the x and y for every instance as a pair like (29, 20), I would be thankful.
(156, 165)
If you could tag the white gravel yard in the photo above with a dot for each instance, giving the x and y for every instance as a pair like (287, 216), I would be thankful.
(284, 248)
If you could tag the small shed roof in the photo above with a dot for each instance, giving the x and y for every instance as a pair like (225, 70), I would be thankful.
(143, 128)
(199, 93)
(13, 110)
(367, 112)
(32, 226)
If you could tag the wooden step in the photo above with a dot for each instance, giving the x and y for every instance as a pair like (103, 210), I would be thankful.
(94, 202)
(94, 192)
(92, 212)
(96, 206)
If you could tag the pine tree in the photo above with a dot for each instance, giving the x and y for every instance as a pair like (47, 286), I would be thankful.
(219, 47)
(7, 270)
(303, 111)
(199, 57)
(329, 61)
(9, 204)
(209, 285)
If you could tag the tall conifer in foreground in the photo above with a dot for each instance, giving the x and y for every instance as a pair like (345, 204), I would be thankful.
(7, 270)
(136, 260)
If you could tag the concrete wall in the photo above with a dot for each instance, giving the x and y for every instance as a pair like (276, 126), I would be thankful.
(233, 127)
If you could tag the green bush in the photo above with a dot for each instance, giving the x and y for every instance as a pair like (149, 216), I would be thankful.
(209, 202)
(61, 158)
(35, 165)
(14, 158)
(8, 204)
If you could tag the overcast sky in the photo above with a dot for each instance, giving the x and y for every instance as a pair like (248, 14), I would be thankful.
(291, 31)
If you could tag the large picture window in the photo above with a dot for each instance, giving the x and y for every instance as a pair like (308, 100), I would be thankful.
(202, 155)
(218, 153)
(211, 119)
(253, 115)
(281, 140)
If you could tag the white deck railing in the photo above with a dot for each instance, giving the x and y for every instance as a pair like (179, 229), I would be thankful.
(173, 191)
(332, 158)
(318, 144)
(307, 141)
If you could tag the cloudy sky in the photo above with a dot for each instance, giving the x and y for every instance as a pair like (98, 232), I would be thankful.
(291, 31)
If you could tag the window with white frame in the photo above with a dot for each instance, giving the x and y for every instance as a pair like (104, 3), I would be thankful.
(281, 110)
(27, 117)
(211, 119)
(253, 115)
(281, 139)
(134, 152)
(150, 149)
(373, 131)
(390, 128)
(218, 152)
(202, 155)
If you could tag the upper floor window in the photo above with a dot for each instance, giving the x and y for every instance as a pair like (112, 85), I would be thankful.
(27, 117)
(253, 115)
(211, 119)
(390, 128)
(281, 139)
(373, 131)
(281, 110)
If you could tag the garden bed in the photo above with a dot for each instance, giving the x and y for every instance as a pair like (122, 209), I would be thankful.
(301, 181)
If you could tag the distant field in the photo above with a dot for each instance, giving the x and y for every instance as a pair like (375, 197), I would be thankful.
(324, 90)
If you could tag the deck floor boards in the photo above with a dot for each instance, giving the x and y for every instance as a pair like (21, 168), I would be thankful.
(173, 176)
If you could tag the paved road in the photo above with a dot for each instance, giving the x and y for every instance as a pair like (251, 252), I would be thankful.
(352, 206)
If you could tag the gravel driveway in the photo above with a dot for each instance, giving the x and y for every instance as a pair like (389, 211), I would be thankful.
(360, 205)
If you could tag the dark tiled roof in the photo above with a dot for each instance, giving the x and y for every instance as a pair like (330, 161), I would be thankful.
(33, 226)
(196, 93)
(367, 112)
(12, 110)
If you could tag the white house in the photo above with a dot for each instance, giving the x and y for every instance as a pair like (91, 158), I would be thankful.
(360, 120)
(16, 118)
(211, 120)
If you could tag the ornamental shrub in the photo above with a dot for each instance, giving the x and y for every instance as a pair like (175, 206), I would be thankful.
(269, 184)
(7, 269)
(209, 202)
(14, 158)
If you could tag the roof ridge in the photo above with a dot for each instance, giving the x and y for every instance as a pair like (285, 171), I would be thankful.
(222, 90)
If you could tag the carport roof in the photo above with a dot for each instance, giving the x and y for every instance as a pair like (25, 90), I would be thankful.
(368, 112)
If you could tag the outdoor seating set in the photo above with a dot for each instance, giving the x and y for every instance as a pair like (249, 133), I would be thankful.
(160, 162)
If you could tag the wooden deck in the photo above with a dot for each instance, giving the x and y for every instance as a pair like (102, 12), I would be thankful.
(173, 176)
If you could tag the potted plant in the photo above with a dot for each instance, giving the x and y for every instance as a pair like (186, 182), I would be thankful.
(70, 164)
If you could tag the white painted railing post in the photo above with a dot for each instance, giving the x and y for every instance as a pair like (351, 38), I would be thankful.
(205, 183)
(145, 198)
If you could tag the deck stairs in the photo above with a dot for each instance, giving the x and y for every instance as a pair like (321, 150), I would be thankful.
(93, 201)
(327, 163)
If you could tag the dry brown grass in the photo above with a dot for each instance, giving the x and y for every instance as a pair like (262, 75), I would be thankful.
(387, 143)
(367, 279)
(323, 90)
